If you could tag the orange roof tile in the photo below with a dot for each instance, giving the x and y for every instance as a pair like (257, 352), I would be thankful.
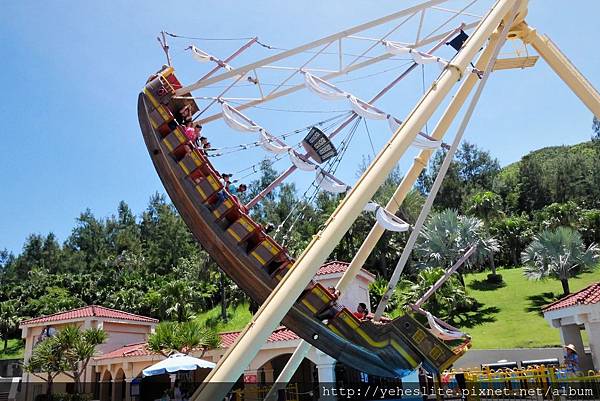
(588, 296)
(90, 311)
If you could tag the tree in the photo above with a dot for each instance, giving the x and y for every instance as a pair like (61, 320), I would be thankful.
(559, 254)
(77, 349)
(46, 362)
(9, 321)
(558, 215)
(447, 236)
(486, 205)
(472, 170)
(447, 302)
(513, 234)
(534, 193)
(170, 337)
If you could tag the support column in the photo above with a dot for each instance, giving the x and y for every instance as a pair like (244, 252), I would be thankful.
(593, 331)
(563, 67)
(326, 379)
(251, 380)
(128, 389)
(113, 385)
(279, 302)
(571, 334)
(269, 377)
(419, 164)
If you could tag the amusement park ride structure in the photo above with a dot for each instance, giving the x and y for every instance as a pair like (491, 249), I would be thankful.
(285, 288)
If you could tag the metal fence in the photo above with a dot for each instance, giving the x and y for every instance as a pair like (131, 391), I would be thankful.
(530, 383)
(258, 393)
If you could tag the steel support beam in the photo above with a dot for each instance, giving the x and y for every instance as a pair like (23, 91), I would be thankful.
(283, 297)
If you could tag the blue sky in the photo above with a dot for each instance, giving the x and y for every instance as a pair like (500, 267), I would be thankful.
(72, 71)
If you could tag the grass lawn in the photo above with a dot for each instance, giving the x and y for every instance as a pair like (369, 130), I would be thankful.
(238, 318)
(14, 351)
(509, 316)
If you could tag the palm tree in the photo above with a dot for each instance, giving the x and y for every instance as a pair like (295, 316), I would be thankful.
(9, 321)
(446, 302)
(559, 254)
(170, 337)
(46, 362)
(178, 297)
(78, 348)
(448, 235)
(486, 205)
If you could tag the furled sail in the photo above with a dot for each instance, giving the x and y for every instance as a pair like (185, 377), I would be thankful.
(386, 219)
(232, 118)
(328, 184)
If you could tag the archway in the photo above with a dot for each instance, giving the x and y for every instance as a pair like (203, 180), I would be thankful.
(304, 381)
(106, 386)
(119, 386)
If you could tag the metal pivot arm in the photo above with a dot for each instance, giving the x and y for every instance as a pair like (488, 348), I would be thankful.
(419, 164)
(563, 67)
(412, 239)
(319, 42)
(283, 297)
(283, 176)
(228, 59)
(445, 277)
(407, 182)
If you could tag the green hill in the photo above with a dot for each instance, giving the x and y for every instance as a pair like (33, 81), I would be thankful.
(510, 316)
(552, 174)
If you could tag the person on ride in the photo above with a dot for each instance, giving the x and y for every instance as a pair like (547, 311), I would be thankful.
(226, 179)
(361, 311)
(182, 116)
(191, 131)
(237, 191)
(201, 141)
(206, 147)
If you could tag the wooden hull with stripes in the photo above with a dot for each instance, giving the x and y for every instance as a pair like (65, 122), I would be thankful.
(256, 263)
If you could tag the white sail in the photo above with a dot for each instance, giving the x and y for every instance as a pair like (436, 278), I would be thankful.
(366, 110)
(299, 163)
(322, 88)
(326, 183)
(442, 333)
(268, 143)
(232, 118)
(386, 219)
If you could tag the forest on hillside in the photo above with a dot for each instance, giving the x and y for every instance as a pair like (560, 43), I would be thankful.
(151, 265)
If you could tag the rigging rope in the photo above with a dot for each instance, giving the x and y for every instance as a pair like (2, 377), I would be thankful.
(439, 178)
(330, 167)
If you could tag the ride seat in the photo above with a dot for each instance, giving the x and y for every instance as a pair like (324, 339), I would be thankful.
(242, 228)
(207, 187)
(281, 271)
(317, 299)
(159, 91)
(195, 165)
(344, 323)
(265, 251)
(160, 118)
(177, 143)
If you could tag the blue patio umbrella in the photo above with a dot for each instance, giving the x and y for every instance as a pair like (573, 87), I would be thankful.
(175, 363)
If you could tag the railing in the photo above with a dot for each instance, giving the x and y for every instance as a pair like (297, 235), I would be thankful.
(532, 383)
(259, 392)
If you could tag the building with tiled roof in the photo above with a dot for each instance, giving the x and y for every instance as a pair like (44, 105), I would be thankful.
(590, 295)
(95, 311)
(125, 354)
(576, 312)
